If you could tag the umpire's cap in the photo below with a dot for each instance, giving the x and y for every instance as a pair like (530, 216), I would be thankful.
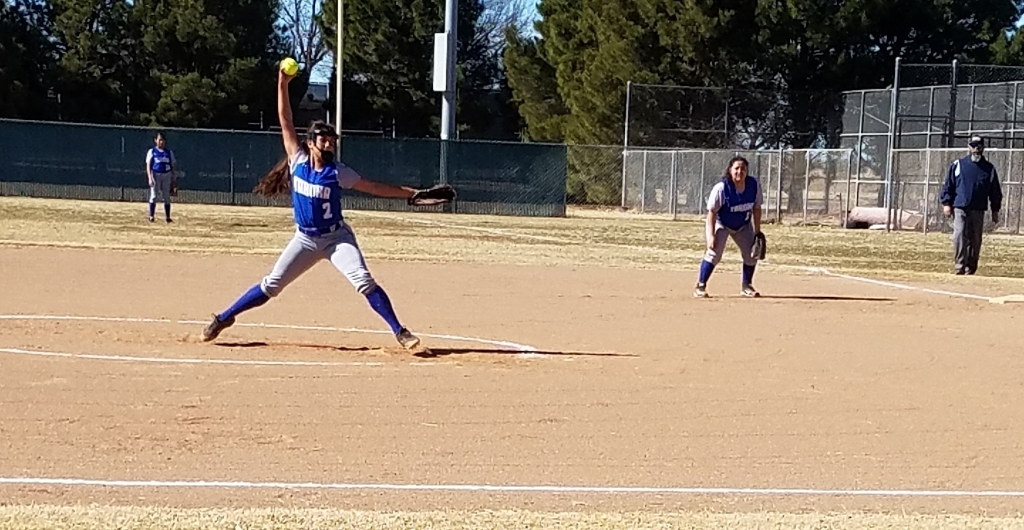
(976, 141)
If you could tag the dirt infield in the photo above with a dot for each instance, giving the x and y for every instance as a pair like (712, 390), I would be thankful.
(828, 386)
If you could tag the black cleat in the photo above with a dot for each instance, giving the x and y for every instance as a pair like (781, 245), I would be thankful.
(214, 328)
(407, 339)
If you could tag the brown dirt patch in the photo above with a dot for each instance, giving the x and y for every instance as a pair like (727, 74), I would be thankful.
(823, 384)
(832, 385)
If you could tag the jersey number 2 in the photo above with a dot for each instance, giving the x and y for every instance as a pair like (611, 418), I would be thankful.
(327, 210)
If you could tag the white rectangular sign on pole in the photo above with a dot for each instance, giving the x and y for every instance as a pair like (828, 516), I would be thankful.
(440, 62)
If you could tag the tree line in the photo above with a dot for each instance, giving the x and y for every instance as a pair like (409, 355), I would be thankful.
(212, 64)
(205, 63)
(789, 59)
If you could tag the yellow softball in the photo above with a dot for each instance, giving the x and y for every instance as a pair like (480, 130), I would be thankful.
(289, 66)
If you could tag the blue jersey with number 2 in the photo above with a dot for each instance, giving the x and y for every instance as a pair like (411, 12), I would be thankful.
(316, 195)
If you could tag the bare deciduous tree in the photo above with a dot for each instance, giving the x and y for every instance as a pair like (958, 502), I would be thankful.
(299, 21)
(499, 15)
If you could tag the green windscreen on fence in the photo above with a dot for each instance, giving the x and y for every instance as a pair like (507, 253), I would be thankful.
(221, 167)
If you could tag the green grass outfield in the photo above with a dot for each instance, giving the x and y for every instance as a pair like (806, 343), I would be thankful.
(586, 237)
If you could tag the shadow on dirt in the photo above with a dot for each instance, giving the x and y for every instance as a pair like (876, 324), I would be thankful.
(431, 353)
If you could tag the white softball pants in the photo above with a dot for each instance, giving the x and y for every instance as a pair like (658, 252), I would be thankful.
(304, 251)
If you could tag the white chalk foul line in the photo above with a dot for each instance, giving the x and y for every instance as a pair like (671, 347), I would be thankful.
(497, 488)
(894, 285)
(524, 348)
(172, 360)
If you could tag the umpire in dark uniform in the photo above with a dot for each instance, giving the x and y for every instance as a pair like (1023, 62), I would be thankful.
(972, 184)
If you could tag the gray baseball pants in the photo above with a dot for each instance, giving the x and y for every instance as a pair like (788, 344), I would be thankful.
(303, 251)
(161, 185)
(968, 227)
(744, 238)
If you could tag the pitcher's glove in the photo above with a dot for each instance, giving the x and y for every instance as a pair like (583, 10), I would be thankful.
(760, 248)
(440, 194)
(174, 188)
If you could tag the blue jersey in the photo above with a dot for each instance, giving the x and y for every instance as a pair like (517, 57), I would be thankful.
(735, 209)
(160, 160)
(316, 195)
(972, 185)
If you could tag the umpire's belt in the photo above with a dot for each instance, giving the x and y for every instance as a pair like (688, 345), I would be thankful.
(317, 232)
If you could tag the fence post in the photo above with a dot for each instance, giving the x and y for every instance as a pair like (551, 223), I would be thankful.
(1020, 212)
(849, 183)
(625, 160)
(625, 131)
(122, 162)
(931, 116)
(1009, 168)
(860, 144)
(231, 179)
(643, 186)
(700, 197)
(778, 187)
(893, 117)
(625, 142)
(1013, 127)
(807, 180)
(950, 136)
(767, 186)
(673, 191)
(927, 180)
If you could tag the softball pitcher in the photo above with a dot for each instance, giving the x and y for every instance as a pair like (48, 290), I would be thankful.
(317, 182)
(734, 210)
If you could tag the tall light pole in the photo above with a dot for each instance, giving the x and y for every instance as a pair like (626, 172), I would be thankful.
(339, 41)
(451, 8)
(445, 57)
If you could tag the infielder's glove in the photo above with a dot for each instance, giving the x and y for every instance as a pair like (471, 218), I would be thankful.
(760, 248)
(440, 194)
(174, 188)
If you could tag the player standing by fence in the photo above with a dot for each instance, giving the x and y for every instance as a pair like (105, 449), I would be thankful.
(972, 183)
(162, 177)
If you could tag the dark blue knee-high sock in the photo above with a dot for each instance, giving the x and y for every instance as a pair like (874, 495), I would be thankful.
(252, 298)
(706, 268)
(748, 274)
(167, 210)
(380, 303)
(152, 208)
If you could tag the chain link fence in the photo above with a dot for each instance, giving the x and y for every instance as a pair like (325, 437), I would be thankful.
(725, 118)
(919, 175)
(816, 186)
(62, 160)
(802, 185)
(939, 104)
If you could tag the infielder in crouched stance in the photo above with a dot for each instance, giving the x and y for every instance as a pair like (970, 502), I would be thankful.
(734, 210)
(316, 181)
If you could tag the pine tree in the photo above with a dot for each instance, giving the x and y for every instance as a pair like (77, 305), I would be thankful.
(27, 60)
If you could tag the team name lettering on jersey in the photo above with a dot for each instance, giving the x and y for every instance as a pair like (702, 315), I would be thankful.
(742, 207)
(310, 190)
